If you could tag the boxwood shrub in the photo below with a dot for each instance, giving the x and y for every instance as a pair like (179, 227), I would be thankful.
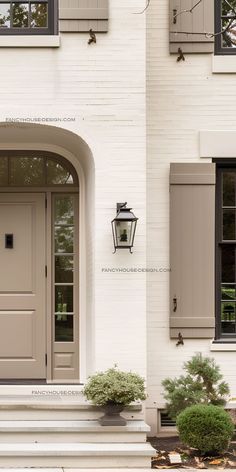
(207, 428)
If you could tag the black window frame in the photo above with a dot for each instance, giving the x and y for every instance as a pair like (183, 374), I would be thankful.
(221, 166)
(219, 49)
(52, 28)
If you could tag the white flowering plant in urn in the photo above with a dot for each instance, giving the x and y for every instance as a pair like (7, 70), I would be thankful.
(112, 390)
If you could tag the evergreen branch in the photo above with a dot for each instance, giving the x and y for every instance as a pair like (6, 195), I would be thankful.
(145, 8)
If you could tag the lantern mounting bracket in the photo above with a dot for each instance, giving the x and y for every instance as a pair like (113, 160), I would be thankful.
(120, 205)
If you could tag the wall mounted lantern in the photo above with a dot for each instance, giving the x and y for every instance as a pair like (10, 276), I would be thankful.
(123, 227)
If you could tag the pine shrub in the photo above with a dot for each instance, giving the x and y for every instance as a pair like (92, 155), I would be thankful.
(202, 384)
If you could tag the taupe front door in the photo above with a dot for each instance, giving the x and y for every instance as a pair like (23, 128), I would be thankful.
(22, 286)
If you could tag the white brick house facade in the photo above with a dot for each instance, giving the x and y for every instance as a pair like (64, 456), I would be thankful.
(183, 99)
(134, 110)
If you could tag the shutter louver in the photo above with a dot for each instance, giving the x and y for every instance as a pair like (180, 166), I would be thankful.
(83, 15)
(192, 250)
(201, 20)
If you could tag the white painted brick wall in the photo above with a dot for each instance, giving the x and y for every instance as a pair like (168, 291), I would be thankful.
(182, 98)
(103, 87)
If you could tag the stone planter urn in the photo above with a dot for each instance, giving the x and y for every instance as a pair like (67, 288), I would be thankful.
(112, 415)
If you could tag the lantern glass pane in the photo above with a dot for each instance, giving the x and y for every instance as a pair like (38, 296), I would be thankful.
(114, 233)
(133, 229)
(124, 233)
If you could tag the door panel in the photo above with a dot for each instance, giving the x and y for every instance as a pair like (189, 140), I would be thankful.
(17, 336)
(17, 219)
(22, 287)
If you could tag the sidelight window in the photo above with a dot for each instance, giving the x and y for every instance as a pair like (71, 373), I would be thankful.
(64, 262)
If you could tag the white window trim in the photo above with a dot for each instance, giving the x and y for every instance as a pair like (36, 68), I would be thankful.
(224, 64)
(28, 41)
(217, 143)
(224, 346)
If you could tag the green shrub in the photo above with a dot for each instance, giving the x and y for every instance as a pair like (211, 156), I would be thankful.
(207, 428)
(114, 386)
(200, 385)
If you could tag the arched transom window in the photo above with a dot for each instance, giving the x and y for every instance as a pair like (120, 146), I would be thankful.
(35, 169)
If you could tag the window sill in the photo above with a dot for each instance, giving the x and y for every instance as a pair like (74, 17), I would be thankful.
(224, 64)
(223, 346)
(34, 41)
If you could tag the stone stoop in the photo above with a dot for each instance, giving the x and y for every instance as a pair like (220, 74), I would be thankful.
(38, 431)
(46, 432)
(75, 455)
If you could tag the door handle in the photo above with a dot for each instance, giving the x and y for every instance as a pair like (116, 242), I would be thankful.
(175, 304)
(9, 241)
(174, 16)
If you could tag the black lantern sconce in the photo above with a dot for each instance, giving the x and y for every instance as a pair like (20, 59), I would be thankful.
(124, 227)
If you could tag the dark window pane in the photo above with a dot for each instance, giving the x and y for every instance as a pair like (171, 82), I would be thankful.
(64, 210)
(39, 15)
(226, 9)
(228, 293)
(3, 171)
(228, 317)
(26, 171)
(64, 239)
(57, 174)
(229, 36)
(228, 189)
(64, 328)
(64, 299)
(32, 170)
(20, 15)
(228, 225)
(228, 264)
(64, 266)
(5, 15)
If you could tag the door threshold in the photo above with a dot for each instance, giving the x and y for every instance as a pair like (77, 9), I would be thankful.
(37, 382)
(23, 382)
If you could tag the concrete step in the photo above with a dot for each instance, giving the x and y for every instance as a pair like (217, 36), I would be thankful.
(76, 455)
(59, 469)
(71, 431)
(30, 407)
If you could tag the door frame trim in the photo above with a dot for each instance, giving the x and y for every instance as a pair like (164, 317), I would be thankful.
(79, 154)
(49, 341)
(49, 282)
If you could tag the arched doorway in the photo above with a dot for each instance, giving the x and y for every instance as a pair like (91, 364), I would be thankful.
(39, 256)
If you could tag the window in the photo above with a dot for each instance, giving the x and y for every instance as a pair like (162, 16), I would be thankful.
(64, 258)
(27, 17)
(225, 21)
(35, 168)
(226, 252)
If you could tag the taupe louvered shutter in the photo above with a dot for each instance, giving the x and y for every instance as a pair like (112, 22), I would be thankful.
(192, 249)
(201, 20)
(83, 15)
